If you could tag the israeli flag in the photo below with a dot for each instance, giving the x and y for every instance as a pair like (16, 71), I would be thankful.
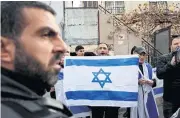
(78, 111)
(101, 80)
(158, 90)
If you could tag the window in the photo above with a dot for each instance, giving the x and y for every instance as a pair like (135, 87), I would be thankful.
(119, 7)
(109, 4)
(90, 4)
(115, 7)
(85, 4)
(95, 3)
(159, 4)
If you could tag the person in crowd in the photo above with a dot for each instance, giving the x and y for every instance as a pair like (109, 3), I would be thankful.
(104, 111)
(142, 55)
(169, 70)
(79, 50)
(146, 102)
(31, 50)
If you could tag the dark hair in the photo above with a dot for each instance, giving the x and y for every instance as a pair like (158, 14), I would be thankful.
(172, 38)
(175, 36)
(79, 47)
(103, 43)
(132, 50)
(12, 18)
(89, 54)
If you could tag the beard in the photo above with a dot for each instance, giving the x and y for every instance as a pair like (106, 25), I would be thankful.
(30, 67)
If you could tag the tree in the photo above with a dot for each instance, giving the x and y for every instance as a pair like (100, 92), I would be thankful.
(149, 17)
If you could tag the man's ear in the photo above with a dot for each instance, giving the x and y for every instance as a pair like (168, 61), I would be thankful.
(7, 52)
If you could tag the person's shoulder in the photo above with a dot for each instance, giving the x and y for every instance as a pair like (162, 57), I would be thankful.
(166, 55)
(45, 107)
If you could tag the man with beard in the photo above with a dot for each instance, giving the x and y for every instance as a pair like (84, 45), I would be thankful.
(104, 111)
(31, 50)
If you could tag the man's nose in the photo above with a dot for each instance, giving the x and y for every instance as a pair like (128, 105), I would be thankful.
(102, 50)
(60, 46)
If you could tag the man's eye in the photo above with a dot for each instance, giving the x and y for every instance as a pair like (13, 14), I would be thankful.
(49, 34)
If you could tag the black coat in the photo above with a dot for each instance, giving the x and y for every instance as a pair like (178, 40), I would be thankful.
(18, 101)
(171, 78)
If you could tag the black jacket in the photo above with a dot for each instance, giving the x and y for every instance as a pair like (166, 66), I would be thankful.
(176, 114)
(171, 76)
(18, 101)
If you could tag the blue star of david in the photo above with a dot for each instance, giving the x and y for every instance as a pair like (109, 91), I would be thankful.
(101, 82)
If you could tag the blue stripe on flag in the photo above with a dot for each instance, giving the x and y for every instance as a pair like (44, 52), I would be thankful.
(102, 95)
(102, 62)
(158, 90)
(60, 76)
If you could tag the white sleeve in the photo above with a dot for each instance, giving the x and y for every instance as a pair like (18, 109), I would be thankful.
(154, 76)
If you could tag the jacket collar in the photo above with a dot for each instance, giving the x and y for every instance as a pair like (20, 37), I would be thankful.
(19, 85)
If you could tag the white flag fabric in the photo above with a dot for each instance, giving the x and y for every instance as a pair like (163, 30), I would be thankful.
(101, 80)
(78, 111)
(158, 90)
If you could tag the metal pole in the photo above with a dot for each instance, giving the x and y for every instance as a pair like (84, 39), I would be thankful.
(63, 28)
(98, 28)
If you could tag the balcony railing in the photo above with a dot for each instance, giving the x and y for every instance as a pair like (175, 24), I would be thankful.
(116, 10)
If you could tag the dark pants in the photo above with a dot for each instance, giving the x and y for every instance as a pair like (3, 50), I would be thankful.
(109, 112)
(128, 112)
(169, 109)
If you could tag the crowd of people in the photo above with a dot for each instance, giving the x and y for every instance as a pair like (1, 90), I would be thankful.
(32, 62)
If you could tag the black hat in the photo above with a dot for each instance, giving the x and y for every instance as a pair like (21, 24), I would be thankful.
(140, 50)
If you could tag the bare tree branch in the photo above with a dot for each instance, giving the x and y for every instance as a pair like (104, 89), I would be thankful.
(146, 18)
